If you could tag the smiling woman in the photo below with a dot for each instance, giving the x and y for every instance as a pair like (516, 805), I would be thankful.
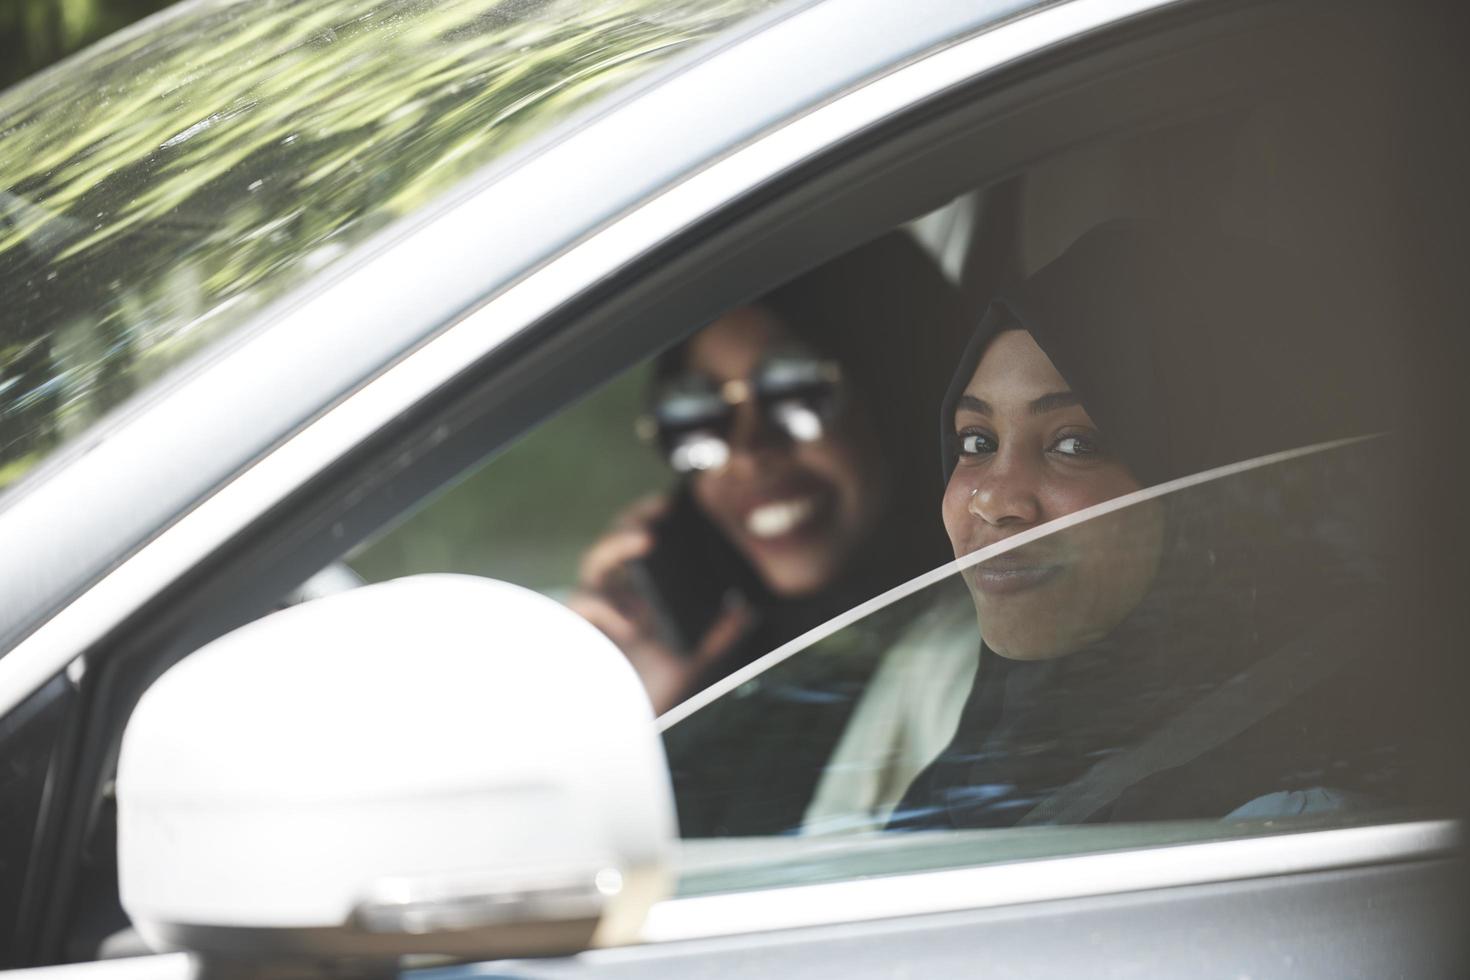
(788, 423)
(1029, 453)
(797, 516)
(1095, 640)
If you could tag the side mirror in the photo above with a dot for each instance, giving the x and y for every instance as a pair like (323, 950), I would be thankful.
(435, 765)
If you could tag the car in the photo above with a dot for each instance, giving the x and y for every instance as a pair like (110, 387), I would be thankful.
(297, 295)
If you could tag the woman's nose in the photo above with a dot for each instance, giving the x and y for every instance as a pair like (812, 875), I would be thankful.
(1006, 495)
(751, 432)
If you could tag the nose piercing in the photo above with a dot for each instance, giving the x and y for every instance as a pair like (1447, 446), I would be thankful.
(974, 491)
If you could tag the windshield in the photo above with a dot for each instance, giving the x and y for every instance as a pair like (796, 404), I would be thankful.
(161, 187)
(1226, 670)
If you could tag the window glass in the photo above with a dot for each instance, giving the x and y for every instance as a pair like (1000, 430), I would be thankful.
(1210, 654)
(166, 184)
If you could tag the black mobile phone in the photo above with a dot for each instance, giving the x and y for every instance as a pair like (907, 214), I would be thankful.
(691, 574)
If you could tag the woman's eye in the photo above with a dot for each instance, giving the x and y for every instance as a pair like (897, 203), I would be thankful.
(1075, 446)
(974, 443)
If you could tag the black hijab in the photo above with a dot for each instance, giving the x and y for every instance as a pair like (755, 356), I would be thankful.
(1188, 353)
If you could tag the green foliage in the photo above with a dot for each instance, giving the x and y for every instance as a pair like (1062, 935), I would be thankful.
(36, 33)
(527, 515)
(170, 182)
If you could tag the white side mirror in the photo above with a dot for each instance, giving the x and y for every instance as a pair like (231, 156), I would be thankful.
(437, 765)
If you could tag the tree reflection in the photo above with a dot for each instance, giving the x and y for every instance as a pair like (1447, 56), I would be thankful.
(176, 179)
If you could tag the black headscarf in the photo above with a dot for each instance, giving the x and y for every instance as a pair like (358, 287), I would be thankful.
(1191, 351)
(1188, 353)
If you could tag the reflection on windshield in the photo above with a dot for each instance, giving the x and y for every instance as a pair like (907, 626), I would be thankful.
(168, 183)
(1243, 682)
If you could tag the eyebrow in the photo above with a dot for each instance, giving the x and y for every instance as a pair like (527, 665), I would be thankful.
(1040, 406)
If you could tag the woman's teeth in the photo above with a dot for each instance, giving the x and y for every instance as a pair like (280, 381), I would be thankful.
(781, 517)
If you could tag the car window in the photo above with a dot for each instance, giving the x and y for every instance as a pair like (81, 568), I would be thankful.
(1195, 663)
(695, 511)
(131, 237)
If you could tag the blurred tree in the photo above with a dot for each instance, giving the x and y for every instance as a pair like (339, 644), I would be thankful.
(36, 33)
(164, 187)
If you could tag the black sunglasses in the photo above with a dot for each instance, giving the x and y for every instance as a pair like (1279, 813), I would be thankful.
(691, 415)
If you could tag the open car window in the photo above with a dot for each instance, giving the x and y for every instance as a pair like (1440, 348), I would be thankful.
(1253, 687)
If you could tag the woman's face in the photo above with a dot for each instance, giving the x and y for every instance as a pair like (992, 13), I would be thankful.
(797, 510)
(1029, 454)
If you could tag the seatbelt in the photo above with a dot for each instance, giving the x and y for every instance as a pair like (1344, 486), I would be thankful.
(1210, 722)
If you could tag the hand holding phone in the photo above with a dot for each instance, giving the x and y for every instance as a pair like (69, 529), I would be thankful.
(669, 590)
(690, 575)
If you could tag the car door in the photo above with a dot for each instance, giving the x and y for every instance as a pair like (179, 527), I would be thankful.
(919, 133)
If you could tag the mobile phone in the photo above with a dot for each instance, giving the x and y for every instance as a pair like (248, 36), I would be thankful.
(690, 575)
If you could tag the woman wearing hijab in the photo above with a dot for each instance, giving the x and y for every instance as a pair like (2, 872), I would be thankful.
(1198, 654)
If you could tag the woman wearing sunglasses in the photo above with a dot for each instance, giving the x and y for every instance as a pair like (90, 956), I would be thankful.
(789, 425)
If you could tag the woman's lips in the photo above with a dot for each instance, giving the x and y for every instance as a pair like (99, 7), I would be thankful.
(779, 517)
(1007, 574)
(784, 518)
